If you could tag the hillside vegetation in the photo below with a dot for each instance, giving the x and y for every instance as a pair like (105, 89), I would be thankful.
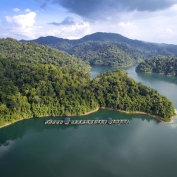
(35, 53)
(159, 64)
(108, 49)
(35, 90)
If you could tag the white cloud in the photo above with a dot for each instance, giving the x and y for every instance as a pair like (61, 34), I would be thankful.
(168, 30)
(16, 9)
(74, 31)
(108, 18)
(27, 10)
(127, 25)
(22, 26)
(81, 25)
(22, 21)
(157, 26)
(8, 19)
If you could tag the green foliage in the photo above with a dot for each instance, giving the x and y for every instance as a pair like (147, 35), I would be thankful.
(159, 64)
(101, 53)
(116, 90)
(34, 90)
(108, 49)
(34, 54)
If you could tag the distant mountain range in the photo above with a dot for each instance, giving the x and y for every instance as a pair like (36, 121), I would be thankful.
(108, 49)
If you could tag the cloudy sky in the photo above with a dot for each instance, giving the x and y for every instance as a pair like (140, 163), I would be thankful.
(147, 20)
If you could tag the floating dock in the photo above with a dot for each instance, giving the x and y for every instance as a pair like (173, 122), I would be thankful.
(67, 121)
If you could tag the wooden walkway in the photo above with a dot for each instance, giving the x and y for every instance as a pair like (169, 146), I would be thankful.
(67, 121)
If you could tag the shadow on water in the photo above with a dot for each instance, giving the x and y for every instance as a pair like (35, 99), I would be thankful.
(138, 76)
(159, 77)
(19, 129)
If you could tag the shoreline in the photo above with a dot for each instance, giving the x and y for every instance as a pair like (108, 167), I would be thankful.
(138, 112)
(90, 112)
(85, 114)
(95, 110)
(14, 122)
(157, 73)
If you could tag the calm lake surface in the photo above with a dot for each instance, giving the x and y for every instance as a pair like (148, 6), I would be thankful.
(144, 148)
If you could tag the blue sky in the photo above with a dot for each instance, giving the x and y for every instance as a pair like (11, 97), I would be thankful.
(151, 21)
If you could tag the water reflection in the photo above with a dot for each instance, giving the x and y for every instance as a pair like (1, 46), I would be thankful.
(165, 85)
(94, 150)
(4, 148)
(21, 128)
(159, 77)
(145, 147)
(173, 124)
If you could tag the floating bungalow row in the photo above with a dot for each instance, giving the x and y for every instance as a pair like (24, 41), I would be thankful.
(67, 121)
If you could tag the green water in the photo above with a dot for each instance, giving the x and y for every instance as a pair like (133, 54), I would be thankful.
(144, 148)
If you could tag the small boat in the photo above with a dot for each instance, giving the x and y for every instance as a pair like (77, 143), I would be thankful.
(102, 121)
(72, 122)
(57, 122)
(49, 121)
(53, 122)
(61, 121)
(91, 122)
(83, 122)
(79, 122)
(99, 122)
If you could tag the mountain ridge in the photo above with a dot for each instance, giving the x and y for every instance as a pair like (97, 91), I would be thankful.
(98, 38)
(108, 48)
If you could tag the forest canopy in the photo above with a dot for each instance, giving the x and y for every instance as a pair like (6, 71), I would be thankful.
(38, 81)
(108, 49)
(159, 64)
(35, 53)
(28, 90)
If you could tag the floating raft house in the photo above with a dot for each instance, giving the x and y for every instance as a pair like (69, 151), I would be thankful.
(67, 121)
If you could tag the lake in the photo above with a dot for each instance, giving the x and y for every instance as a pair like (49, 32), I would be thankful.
(144, 148)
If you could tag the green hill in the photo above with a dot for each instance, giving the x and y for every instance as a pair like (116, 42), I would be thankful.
(108, 49)
(35, 53)
(35, 90)
(159, 64)
(36, 80)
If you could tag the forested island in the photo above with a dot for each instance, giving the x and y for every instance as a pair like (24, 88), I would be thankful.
(160, 64)
(38, 81)
(108, 49)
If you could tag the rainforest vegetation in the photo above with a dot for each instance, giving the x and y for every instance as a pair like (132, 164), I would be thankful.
(34, 54)
(44, 84)
(159, 64)
(108, 49)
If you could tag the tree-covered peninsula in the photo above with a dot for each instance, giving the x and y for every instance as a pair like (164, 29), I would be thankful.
(35, 90)
(160, 64)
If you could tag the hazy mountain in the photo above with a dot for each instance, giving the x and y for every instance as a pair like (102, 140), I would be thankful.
(108, 48)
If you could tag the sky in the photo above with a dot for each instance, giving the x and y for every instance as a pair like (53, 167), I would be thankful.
(146, 20)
